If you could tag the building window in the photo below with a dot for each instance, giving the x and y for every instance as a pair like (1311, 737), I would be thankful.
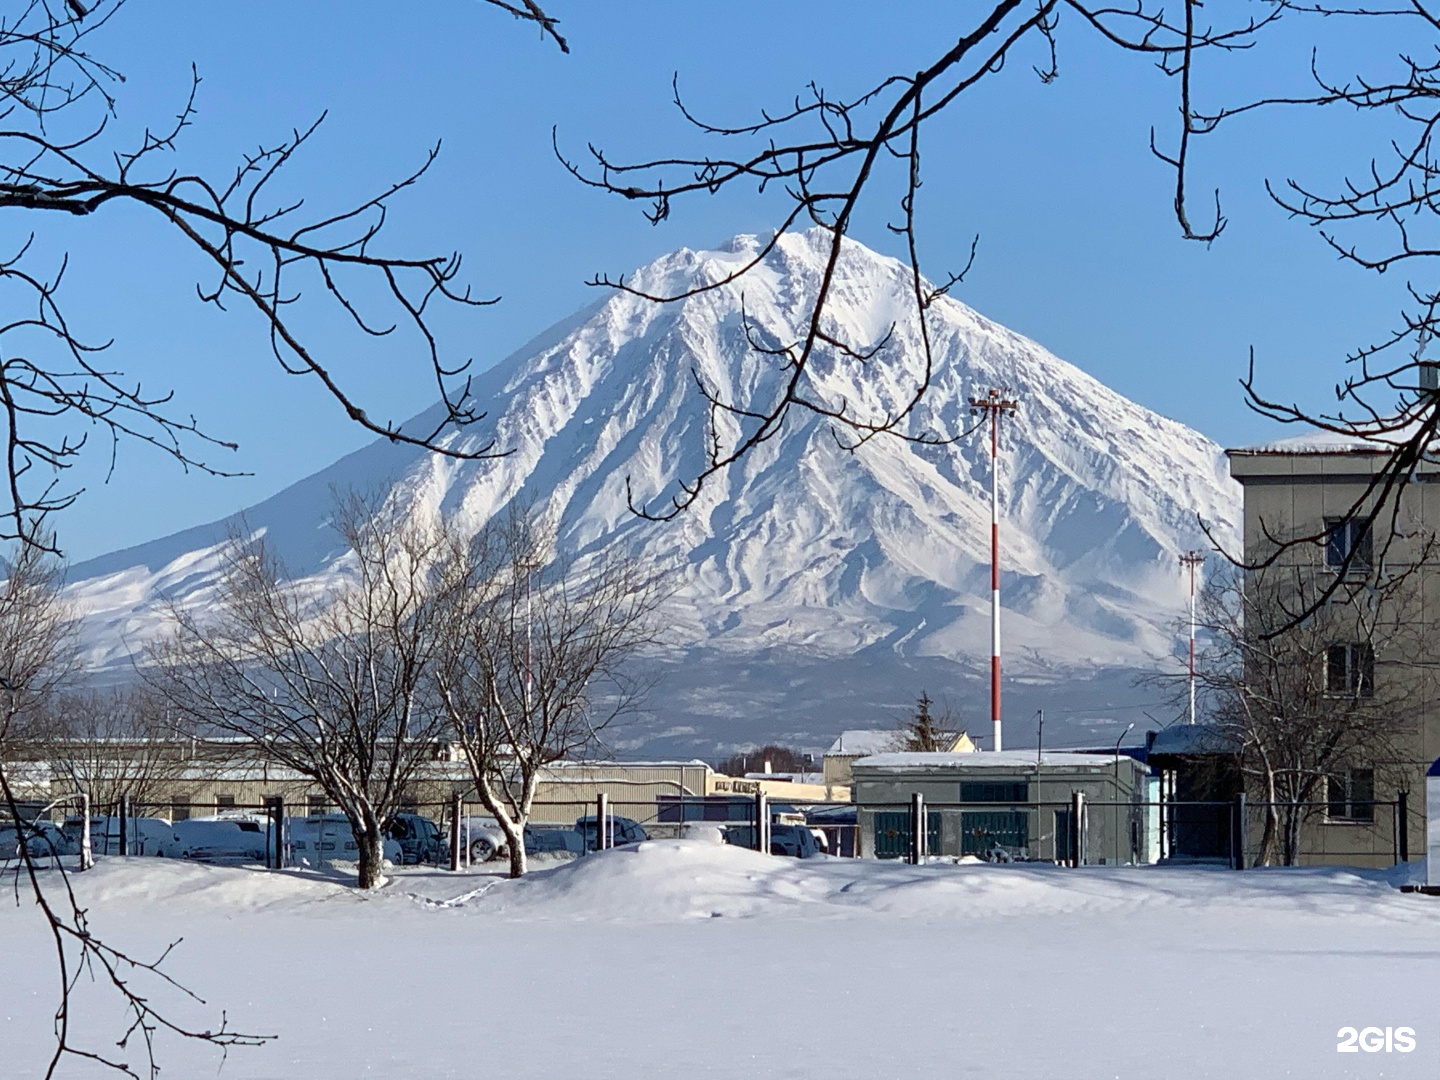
(1351, 796)
(180, 808)
(1350, 669)
(994, 791)
(315, 805)
(1347, 538)
(224, 802)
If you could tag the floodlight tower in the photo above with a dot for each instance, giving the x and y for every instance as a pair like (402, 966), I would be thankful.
(993, 405)
(1192, 561)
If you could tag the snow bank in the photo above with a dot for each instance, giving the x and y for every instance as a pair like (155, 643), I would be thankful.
(673, 880)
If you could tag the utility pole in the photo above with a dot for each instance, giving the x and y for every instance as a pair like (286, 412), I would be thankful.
(993, 406)
(1192, 560)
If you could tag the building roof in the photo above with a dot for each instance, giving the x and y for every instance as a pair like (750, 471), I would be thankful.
(866, 741)
(863, 742)
(1192, 739)
(1008, 759)
(1333, 442)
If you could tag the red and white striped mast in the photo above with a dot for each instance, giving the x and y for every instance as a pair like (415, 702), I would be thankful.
(993, 406)
(1192, 561)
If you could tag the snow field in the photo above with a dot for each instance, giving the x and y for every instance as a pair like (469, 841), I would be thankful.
(683, 959)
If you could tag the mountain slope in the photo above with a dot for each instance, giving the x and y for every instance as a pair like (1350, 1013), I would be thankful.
(802, 546)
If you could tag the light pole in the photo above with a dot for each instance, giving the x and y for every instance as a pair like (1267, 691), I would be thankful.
(993, 406)
(1192, 561)
(1118, 741)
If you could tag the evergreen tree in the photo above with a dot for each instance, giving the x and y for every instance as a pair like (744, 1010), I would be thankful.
(925, 732)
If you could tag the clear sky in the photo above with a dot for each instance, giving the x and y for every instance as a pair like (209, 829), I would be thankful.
(1078, 248)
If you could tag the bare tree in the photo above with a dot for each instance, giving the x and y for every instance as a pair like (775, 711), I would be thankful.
(1323, 711)
(828, 154)
(36, 656)
(110, 743)
(1384, 216)
(332, 684)
(782, 759)
(537, 663)
(267, 251)
(37, 642)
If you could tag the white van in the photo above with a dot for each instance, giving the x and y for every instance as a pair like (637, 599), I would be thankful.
(147, 836)
(234, 837)
(324, 838)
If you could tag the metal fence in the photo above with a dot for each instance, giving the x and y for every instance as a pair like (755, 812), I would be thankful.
(460, 834)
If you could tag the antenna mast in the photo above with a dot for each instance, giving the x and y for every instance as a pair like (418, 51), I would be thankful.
(993, 406)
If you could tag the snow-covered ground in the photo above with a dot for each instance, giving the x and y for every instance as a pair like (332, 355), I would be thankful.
(680, 959)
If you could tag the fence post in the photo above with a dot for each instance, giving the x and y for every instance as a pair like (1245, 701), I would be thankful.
(1240, 833)
(1402, 826)
(454, 831)
(277, 810)
(917, 829)
(87, 856)
(602, 813)
(124, 824)
(762, 823)
(1077, 828)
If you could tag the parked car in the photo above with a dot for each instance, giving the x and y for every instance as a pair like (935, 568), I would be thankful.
(624, 831)
(420, 839)
(328, 837)
(145, 835)
(542, 841)
(487, 840)
(41, 838)
(223, 838)
(796, 841)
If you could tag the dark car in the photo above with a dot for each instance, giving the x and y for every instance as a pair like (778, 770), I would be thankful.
(796, 841)
(623, 831)
(420, 839)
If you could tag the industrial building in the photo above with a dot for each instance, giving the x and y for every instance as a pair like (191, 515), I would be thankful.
(1011, 805)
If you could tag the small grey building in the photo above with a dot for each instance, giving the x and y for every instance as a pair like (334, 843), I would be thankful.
(983, 804)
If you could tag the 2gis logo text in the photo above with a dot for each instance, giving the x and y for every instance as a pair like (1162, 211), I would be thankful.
(1373, 1040)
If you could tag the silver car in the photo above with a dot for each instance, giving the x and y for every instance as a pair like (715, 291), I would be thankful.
(42, 840)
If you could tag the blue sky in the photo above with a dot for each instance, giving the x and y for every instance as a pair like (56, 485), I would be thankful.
(1078, 248)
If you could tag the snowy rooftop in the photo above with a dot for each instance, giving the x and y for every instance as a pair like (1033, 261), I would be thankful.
(1008, 759)
(1331, 442)
(866, 741)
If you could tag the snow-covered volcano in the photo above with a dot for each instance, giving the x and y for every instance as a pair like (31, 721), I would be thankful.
(803, 554)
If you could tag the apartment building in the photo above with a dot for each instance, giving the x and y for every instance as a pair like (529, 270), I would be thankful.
(1369, 599)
